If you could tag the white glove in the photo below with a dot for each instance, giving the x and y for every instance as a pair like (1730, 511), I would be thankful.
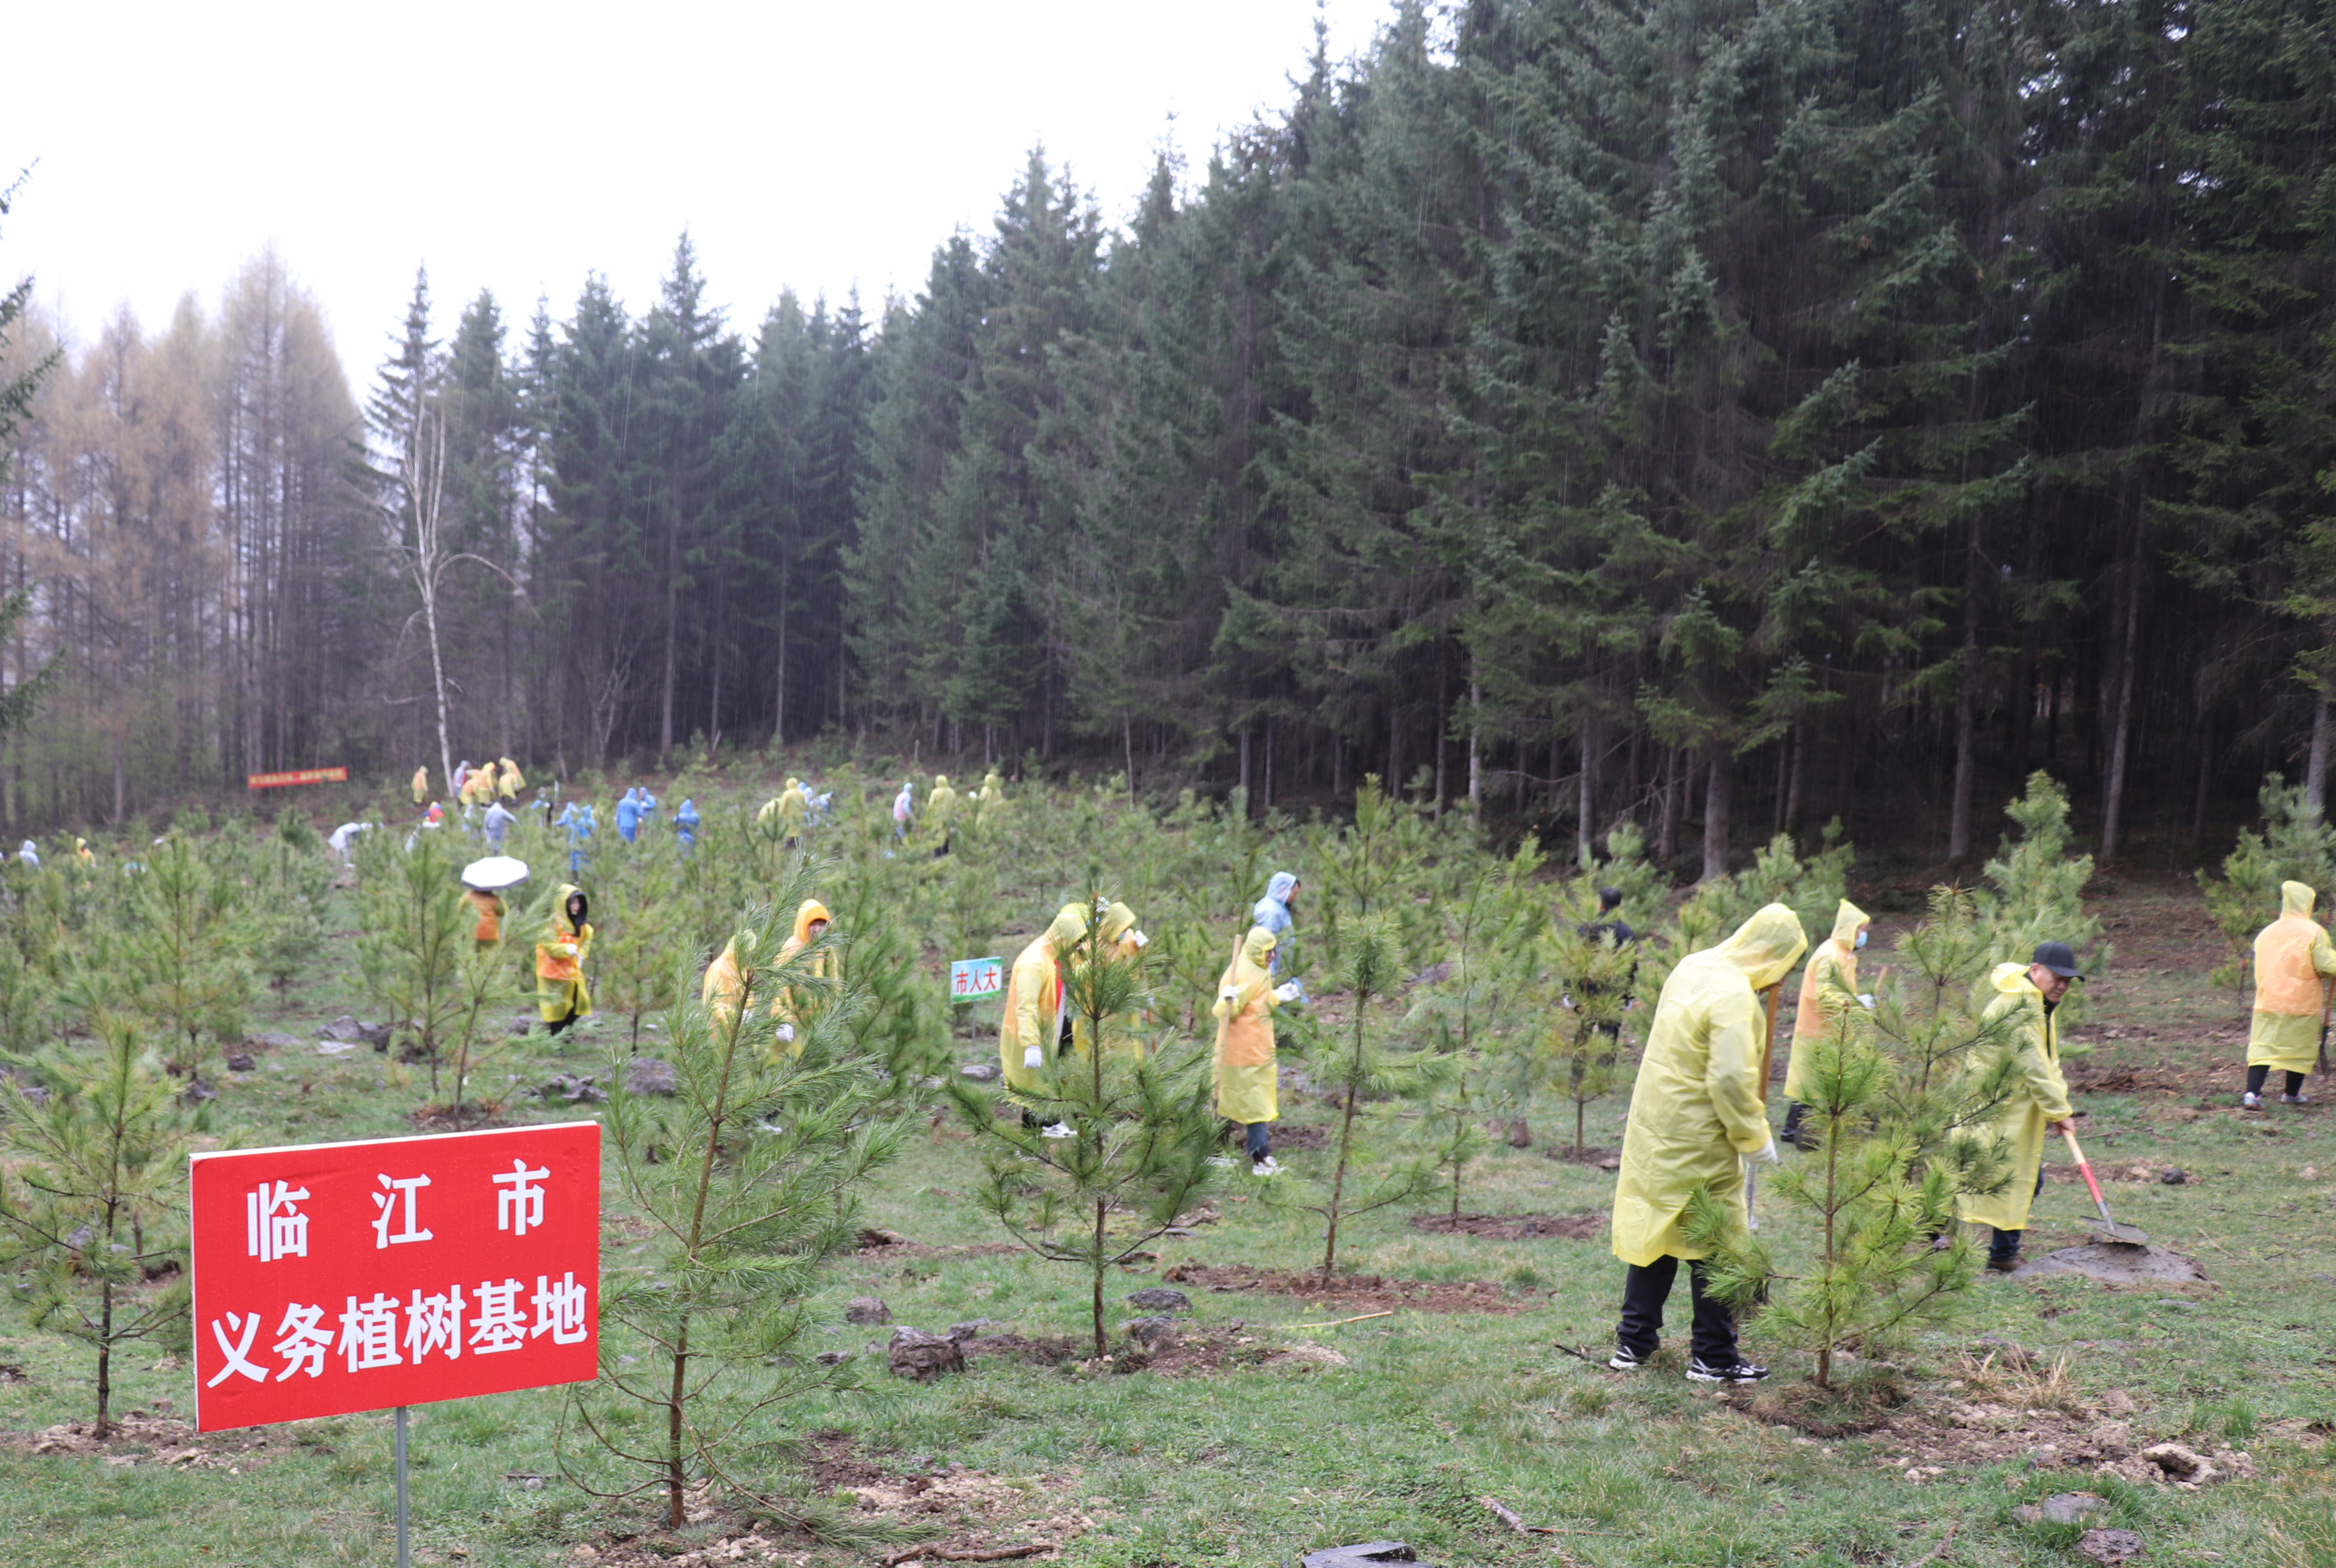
(1768, 1156)
(1033, 1058)
(1866, 1000)
(1138, 940)
(786, 1034)
(569, 948)
(1287, 991)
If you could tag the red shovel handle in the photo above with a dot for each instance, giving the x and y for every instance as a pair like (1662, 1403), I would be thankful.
(2078, 1155)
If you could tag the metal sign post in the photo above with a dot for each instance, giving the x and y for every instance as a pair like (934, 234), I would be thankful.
(402, 1560)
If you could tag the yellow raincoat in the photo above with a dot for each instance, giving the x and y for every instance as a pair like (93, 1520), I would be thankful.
(560, 960)
(2039, 1098)
(2292, 958)
(1830, 978)
(479, 788)
(421, 786)
(991, 799)
(511, 782)
(1244, 1012)
(725, 982)
(1118, 920)
(940, 806)
(490, 928)
(1695, 1109)
(1034, 998)
(783, 1006)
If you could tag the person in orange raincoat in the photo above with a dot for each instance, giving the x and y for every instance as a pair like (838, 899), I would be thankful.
(490, 928)
(2293, 963)
(560, 996)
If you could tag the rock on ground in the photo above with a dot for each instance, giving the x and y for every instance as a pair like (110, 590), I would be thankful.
(2064, 1508)
(921, 1357)
(343, 1031)
(1152, 1333)
(866, 1310)
(1160, 1299)
(2109, 1546)
(980, 1072)
(972, 1328)
(649, 1075)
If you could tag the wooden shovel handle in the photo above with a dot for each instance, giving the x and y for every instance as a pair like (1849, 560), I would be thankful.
(1768, 1039)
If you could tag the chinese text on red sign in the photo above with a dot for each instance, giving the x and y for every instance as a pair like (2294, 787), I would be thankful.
(338, 1277)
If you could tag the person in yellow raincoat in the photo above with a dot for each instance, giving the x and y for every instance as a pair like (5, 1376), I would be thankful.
(940, 806)
(2028, 994)
(421, 787)
(1696, 1114)
(511, 781)
(812, 920)
(478, 786)
(2294, 963)
(989, 800)
(1244, 1070)
(1030, 1031)
(82, 852)
(560, 996)
(1120, 938)
(1826, 985)
(490, 928)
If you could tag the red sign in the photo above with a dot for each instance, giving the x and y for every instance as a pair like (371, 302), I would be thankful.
(331, 1277)
(268, 781)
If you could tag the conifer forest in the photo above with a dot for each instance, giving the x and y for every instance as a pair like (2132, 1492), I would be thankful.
(1725, 417)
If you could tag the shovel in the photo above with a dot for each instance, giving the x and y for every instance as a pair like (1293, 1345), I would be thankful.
(2123, 1235)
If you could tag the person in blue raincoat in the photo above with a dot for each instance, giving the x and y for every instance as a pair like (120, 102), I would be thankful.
(1273, 912)
(628, 815)
(685, 824)
(576, 816)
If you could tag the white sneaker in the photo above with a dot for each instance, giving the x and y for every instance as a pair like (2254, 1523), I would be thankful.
(2251, 1101)
(1268, 1166)
(1056, 1130)
(1221, 1161)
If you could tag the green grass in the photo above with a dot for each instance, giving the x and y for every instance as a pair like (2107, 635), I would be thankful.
(1254, 1464)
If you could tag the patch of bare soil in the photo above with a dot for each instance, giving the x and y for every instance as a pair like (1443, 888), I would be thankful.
(140, 1438)
(438, 1119)
(886, 1246)
(1049, 1351)
(1351, 1292)
(1513, 1227)
(1300, 1138)
(2116, 1265)
(1601, 1158)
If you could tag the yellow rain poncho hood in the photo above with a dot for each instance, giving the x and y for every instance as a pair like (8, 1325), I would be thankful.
(1831, 975)
(1696, 1106)
(2293, 961)
(560, 991)
(1246, 1077)
(811, 909)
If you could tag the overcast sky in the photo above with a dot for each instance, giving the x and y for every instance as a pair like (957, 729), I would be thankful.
(518, 146)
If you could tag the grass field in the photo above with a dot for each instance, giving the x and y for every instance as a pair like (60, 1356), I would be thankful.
(1275, 1429)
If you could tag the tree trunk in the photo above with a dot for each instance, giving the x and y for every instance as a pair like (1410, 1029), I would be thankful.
(2129, 656)
(1476, 754)
(2315, 763)
(1793, 781)
(1666, 829)
(1959, 818)
(2206, 777)
(1585, 816)
(1718, 799)
(105, 1359)
(677, 1478)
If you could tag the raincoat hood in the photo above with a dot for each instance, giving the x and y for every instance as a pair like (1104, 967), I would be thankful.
(1258, 945)
(1767, 946)
(2012, 980)
(1845, 922)
(1281, 886)
(791, 781)
(941, 781)
(559, 919)
(1068, 928)
(2295, 899)
(813, 910)
(1118, 920)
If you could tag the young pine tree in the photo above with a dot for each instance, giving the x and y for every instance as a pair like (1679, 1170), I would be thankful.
(184, 947)
(1584, 985)
(92, 1195)
(748, 1178)
(1901, 1121)
(2297, 845)
(416, 931)
(1118, 1146)
(2038, 892)
(1364, 1078)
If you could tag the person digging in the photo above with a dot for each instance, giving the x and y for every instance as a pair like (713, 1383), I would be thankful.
(1696, 1113)
(2293, 963)
(2038, 1103)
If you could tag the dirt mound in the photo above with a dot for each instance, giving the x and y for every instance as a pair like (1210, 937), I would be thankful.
(1352, 1293)
(1600, 1159)
(139, 1439)
(888, 1245)
(1513, 1227)
(1300, 1138)
(2116, 1265)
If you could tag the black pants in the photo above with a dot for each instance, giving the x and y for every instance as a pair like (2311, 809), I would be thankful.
(1260, 1138)
(2002, 1246)
(1644, 1291)
(2255, 1076)
(1794, 1111)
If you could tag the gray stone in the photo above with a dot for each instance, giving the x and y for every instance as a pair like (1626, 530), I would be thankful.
(239, 1062)
(574, 1090)
(866, 1310)
(520, 1027)
(2175, 1176)
(2181, 1464)
(1361, 1555)
(373, 1035)
(649, 1075)
(832, 1358)
(273, 1041)
(2110, 1546)
(2069, 1507)
(1155, 1333)
(921, 1357)
(342, 1030)
(980, 1072)
(971, 1328)
(1160, 1299)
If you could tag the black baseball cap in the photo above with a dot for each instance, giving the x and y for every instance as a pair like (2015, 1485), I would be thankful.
(2056, 957)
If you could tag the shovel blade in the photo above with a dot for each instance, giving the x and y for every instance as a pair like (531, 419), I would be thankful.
(2126, 1236)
